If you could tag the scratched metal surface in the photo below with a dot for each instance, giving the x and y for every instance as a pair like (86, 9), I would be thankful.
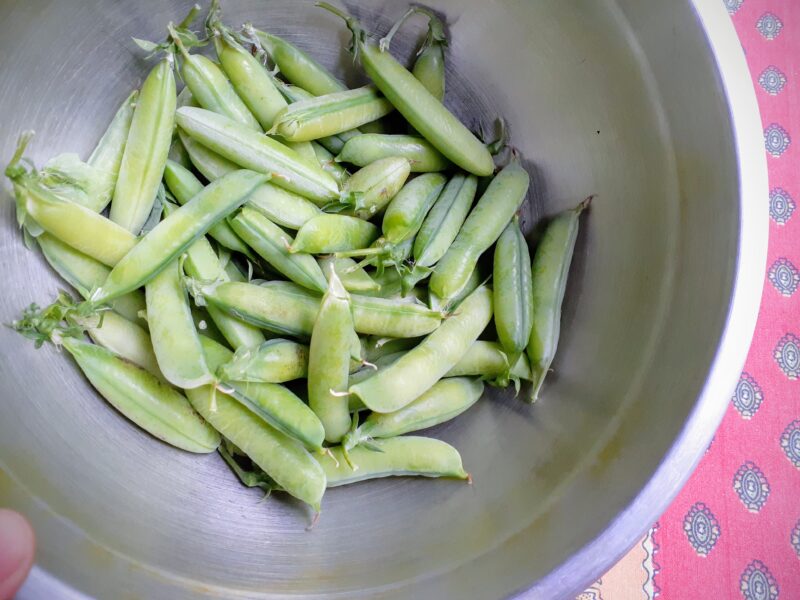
(619, 99)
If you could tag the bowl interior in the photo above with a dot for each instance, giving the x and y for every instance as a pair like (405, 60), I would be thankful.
(600, 98)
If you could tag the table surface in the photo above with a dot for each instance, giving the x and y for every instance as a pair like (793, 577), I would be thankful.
(734, 530)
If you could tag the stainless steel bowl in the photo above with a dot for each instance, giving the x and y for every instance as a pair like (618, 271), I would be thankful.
(647, 104)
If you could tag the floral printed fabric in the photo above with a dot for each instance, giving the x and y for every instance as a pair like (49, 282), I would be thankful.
(734, 530)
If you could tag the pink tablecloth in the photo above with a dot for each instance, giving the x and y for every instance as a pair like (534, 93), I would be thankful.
(734, 530)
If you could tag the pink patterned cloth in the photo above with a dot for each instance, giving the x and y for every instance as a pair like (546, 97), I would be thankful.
(734, 530)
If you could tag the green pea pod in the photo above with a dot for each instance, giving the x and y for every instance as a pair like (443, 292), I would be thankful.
(281, 206)
(210, 164)
(146, 149)
(172, 330)
(421, 367)
(444, 220)
(272, 243)
(483, 226)
(284, 459)
(446, 400)
(303, 149)
(107, 155)
(377, 347)
(419, 107)
(513, 295)
(185, 186)
(330, 114)
(369, 147)
(210, 87)
(332, 143)
(549, 273)
(85, 274)
(176, 233)
(140, 396)
(296, 66)
(328, 163)
(248, 77)
(286, 308)
(273, 361)
(448, 304)
(127, 340)
(407, 210)
(327, 233)
(353, 277)
(395, 457)
(329, 361)
(488, 361)
(258, 152)
(371, 188)
(70, 222)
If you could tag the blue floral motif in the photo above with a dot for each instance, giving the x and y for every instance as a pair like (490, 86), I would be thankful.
(790, 442)
(776, 139)
(795, 539)
(772, 80)
(784, 276)
(701, 528)
(781, 205)
(733, 5)
(748, 397)
(769, 25)
(787, 355)
(757, 583)
(751, 486)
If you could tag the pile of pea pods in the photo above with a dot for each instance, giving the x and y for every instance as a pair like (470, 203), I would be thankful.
(290, 272)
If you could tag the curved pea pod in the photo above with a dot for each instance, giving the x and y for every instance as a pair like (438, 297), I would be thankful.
(327, 233)
(172, 331)
(258, 152)
(330, 114)
(272, 243)
(329, 361)
(69, 222)
(444, 220)
(549, 273)
(248, 77)
(296, 66)
(371, 188)
(446, 400)
(328, 163)
(419, 107)
(415, 372)
(488, 361)
(353, 277)
(127, 340)
(483, 226)
(85, 273)
(429, 66)
(283, 458)
(107, 155)
(287, 308)
(513, 294)
(210, 87)
(185, 186)
(407, 210)
(393, 457)
(174, 234)
(283, 207)
(210, 164)
(146, 149)
(274, 361)
(369, 147)
(152, 405)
